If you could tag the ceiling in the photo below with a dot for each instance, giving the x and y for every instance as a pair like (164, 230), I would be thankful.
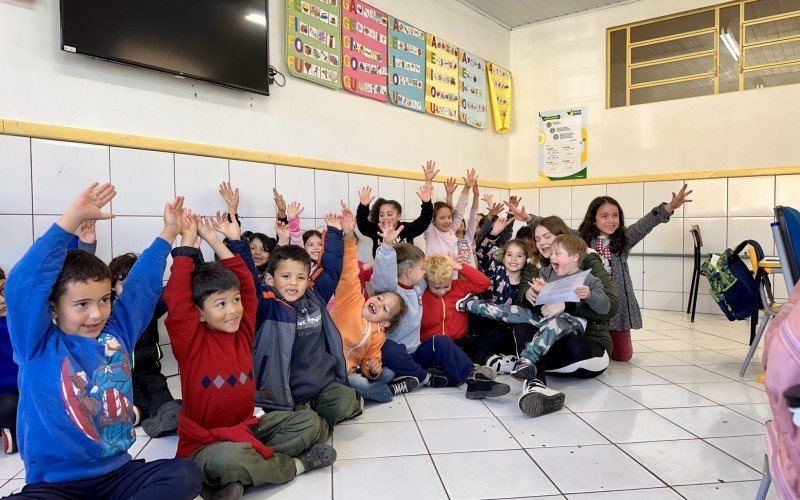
(515, 13)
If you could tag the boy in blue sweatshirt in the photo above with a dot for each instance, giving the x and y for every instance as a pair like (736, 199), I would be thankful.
(9, 392)
(76, 414)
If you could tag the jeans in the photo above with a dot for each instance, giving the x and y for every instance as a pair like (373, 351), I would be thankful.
(374, 390)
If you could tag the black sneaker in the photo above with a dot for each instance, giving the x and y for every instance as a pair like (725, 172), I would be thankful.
(482, 387)
(318, 456)
(461, 304)
(402, 385)
(165, 421)
(524, 371)
(537, 399)
(230, 491)
(439, 378)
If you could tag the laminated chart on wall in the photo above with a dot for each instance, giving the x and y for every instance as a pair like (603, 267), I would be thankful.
(313, 41)
(563, 140)
(406, 65)
(499, 96)
(472, 90)
(441, 77)
(364, 37)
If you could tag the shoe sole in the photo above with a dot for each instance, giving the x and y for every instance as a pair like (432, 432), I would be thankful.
(497, 391)
(536, 404)
(527, 373)
(165, 421)
(8, 442)
(319, 457)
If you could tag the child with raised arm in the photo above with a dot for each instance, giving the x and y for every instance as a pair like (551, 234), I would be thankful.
(362, 322)
(76, 414)
(389, 212)
(401, 270)
(440, 237)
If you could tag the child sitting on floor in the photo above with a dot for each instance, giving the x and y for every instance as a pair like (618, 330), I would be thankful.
(211, 323)
(76, 403)
(361, 324)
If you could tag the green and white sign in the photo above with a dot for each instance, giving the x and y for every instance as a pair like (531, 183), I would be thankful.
(563, 151)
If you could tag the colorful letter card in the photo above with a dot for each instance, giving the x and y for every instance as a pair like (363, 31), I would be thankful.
(472, 90)
(313, 41)
(499, 96)
(441, 73)
(364, 35)
(406, 65)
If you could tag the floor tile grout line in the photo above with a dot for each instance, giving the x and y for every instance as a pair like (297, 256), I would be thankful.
(427, 449)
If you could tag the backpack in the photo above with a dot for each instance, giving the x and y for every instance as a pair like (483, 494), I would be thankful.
(782, 361)
(733, 286)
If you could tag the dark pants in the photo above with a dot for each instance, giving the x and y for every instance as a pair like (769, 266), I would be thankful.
(565, 352)
(176, 478)
(496, 339)
(439, 350)
(150, 391)
(8, 411)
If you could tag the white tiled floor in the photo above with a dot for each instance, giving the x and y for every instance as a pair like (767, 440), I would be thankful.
(676, 422)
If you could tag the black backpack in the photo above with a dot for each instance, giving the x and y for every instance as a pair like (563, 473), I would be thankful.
(733, 286)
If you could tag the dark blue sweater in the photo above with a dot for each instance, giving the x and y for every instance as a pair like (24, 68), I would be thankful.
(75, 417)
(8, 368)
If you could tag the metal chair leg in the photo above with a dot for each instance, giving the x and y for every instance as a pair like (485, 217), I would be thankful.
(694, 296)
(763, 488)
(754, 345)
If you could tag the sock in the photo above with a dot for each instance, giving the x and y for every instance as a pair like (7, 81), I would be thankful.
(298, 467)
(427, 380)
(472, 377)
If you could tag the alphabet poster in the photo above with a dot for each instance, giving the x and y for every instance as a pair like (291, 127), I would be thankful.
(499, 96)
(364, 35)
(441, 72)
(472, 90)
(406, 65)
(313, 41)
(563, 151)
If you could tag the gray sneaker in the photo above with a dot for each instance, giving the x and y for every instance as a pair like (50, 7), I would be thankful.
(537, 399)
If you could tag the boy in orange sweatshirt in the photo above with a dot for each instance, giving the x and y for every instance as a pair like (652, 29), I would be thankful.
(439, 313)
(361, 323)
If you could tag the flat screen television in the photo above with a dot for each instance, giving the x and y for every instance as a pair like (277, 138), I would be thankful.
(218, 41)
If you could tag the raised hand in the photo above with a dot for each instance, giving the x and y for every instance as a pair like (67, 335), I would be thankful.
(205, 229)
(365, 196)
(334, 220)
(537, 285)
(390, 233)
(494, 209)
(231, 197)
(280, 203)
(227, 225)
(517, 212)
(189, 229)
(450, 186)
(475, 190)
(282, 232)
(489, 200)
(500, 224)
(678, 199)
(425, 193)
(429, 169)
(86, 232)
(88, 205)
(294, 210)
(457, 262)
(348, 223)
(470, 179)
(514, 200)
(345, 208)
(173, 219)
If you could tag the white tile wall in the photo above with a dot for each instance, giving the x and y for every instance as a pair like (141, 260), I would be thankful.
(264, 225)
(355, 183)
(390, 188)
(411, 209)
(787, 190)
(656, 193)
(17, 238)
(751, 228)
(751, 196)
(41, 223)
(714, 231)
(665, 238)
(582, 196)
(63, 169)
(630, 196)
(556, 201)
(198, 179)
(255, 182)
(663, 274)
(334, 185)
(293, 183)
(667, 301)
(15, 169)
(636, 268)
(709, 198)
(129, 167)
(530, 200)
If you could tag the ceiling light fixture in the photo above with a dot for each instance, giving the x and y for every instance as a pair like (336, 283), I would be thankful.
(730, 43)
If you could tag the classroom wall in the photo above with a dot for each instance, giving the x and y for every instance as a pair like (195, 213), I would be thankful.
(42, 84)
(563, 64)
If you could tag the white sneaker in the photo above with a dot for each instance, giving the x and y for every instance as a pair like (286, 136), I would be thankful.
(537, 399)
(502, 363)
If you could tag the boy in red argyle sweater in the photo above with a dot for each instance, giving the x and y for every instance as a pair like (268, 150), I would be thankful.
(211, 323)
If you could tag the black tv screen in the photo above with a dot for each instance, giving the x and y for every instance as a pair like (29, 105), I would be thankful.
(219, 41)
